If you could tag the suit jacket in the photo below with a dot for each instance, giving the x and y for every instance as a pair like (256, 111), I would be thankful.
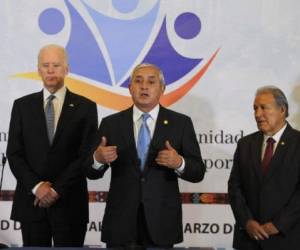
(272, 198)
(156, 187)
(32, 159)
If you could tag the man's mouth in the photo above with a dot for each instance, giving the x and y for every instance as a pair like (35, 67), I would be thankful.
(260, 122)
(50, 78)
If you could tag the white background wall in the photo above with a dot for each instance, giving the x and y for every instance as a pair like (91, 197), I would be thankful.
(259, 45)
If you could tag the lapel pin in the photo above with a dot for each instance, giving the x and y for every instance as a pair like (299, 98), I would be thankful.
(71, 105)
(166, 122)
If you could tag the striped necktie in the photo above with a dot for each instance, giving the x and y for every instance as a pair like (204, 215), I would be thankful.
(50, 117)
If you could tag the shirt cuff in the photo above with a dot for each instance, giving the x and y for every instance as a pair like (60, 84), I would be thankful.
(36, 187)
(179, 171)
(97, 165)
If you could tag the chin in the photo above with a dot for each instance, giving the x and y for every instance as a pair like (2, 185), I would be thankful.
(262, 129)
(266, 132)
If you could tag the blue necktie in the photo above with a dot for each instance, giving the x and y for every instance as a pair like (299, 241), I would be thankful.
(143, 142)
(49, 113)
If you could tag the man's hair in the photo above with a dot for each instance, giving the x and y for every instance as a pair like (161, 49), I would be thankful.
(145, 65)
(55, 46)
(278, 95)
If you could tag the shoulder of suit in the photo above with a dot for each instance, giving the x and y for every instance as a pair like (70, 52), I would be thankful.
(250, 137)
(291, 132)
(80, 98)
(118, 115)
(173, 113)
(28, 98)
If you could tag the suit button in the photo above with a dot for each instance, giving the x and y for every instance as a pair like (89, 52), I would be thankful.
(143, 179)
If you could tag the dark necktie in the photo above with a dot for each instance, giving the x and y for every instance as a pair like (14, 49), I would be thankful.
(143, 141)
(268, 155)
(50, 117)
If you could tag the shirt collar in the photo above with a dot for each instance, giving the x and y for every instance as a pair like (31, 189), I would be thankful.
(276, 136)
(137, 113)
(59, 94)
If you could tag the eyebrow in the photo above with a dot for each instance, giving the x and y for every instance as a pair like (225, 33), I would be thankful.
(140, 76)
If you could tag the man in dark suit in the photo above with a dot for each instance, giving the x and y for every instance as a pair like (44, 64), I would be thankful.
(144, 204)
(49, 136)
(264, 184)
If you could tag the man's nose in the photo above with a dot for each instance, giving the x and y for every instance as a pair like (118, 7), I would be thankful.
(50, 69)
(258, 112)
(144, 85)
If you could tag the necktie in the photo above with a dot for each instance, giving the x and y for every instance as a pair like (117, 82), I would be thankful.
(143, 142)
(50, 116)
(268, 155)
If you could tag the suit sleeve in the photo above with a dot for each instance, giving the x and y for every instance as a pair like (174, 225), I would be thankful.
(290, 214)
(90, 172)
(237, 200)
(16, 152)
(75, 169)
(194, 167)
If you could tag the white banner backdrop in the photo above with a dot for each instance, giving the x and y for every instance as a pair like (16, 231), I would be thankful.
(215, 54)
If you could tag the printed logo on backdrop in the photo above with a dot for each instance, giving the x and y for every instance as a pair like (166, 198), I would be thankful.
(104, 47)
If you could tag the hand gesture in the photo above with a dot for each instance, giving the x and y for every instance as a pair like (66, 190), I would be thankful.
(270, 228)
(169, 157)
(105, 154)
(45, 195)
(255, 230)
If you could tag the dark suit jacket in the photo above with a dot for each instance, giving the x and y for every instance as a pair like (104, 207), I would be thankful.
(32, 159)
(156, 187)
(274, 198)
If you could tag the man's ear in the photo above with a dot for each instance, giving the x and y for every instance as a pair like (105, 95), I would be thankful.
(283, 109)
(39, 72)
(67, 69)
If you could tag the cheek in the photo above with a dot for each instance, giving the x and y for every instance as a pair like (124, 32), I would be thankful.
(63, 73)
(270, 120)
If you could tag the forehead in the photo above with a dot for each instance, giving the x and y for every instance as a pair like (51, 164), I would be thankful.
(147, 71)
(264, 98)
(51, 54)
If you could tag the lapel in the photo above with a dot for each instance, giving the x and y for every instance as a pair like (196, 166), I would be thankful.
(161, 132)
(282, 148)
(70, 105)
(37, 110)
(256, 148)
(126, 128)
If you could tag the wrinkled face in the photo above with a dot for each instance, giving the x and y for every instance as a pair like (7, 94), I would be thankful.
(146, 88)
(270, 118)
(52, 68)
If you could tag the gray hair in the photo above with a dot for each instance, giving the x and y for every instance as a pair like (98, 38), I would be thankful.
(144, 65)
(279, 96)
(55, 46)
